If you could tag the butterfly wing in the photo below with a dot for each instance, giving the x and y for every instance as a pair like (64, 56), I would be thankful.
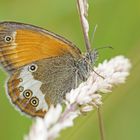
(36, 86)
(40, 64)
(21, 44)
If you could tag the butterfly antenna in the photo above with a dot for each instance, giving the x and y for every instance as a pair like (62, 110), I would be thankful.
(105, 47)
(94, 70)
(98, 73)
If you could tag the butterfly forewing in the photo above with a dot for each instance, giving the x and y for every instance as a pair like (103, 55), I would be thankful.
(21, 44)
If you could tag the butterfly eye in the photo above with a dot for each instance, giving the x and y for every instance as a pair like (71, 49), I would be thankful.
(34, 101)
(27, 94)
(33, 68)
(8, 39)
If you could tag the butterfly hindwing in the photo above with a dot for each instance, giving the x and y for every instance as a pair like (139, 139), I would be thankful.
(44, 82)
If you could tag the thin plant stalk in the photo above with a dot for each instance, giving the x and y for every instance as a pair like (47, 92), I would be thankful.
(101, 124)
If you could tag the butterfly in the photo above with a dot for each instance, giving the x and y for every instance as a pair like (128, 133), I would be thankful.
(42, 66)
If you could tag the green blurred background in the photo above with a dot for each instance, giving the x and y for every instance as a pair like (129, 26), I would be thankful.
(118, 25)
